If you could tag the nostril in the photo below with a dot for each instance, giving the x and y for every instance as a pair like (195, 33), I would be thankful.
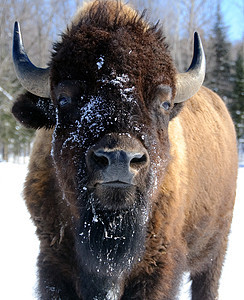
(100, 159)
(138, 160)
(117, 161)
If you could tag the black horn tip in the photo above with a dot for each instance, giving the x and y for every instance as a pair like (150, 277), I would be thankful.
(17, 42)
(197, 43)
(198, 53)
(196, 37)
(16, 26)
(17, 32)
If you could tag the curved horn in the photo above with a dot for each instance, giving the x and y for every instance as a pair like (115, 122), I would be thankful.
(188, 83)
(33, 79)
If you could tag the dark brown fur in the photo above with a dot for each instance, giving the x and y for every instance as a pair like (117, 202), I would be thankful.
(192, 154)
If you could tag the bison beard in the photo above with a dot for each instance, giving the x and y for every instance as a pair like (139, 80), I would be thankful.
(109, 242)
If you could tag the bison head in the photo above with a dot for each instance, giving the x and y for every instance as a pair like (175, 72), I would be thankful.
(109, 93)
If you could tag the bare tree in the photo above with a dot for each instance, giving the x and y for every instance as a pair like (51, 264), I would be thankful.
(41, 23)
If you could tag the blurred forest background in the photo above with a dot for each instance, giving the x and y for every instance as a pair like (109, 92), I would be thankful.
(42, 21)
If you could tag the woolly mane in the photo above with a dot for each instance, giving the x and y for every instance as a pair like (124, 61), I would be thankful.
(108, 13)
(113, 30)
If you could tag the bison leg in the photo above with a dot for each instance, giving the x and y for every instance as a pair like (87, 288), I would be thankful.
(154, 287)
(158, 281)
(205, 284)
(52, 284)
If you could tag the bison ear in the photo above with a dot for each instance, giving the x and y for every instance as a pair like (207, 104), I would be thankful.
(33, 111)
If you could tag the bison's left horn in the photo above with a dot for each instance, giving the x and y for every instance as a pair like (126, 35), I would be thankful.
(189, 83)
(32, 78)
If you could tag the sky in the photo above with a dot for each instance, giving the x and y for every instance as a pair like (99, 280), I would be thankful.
(233, 13)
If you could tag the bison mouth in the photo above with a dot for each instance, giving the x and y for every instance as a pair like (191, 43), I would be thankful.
(114, 184)
(114, 195)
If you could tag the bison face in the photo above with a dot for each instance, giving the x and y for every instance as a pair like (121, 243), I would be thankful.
(110, 149)
(110, 138)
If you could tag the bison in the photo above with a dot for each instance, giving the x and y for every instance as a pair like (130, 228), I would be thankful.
(132, 175)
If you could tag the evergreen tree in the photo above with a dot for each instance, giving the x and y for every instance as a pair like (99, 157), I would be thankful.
(14, 139)
(237, 105)
(219, 67)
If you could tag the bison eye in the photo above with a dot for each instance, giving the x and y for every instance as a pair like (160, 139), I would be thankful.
(64, 101)
(165, 105)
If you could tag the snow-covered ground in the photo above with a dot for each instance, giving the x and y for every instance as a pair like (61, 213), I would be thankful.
(19, 246)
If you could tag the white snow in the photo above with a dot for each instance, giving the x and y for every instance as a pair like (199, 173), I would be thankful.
(121, 81)
(126, 93)
(100, 62)
(19, 245)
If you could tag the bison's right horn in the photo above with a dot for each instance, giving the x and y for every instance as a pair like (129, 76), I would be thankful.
(190, 82)
(32, 78)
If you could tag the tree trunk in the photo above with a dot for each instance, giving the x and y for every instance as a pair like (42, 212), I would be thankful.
(5, 152)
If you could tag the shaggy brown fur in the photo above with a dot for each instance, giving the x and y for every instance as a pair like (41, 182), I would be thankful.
(119, 34)
(192, 216)
(187, 190)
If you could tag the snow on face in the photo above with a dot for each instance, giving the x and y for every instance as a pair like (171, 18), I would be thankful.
(120, 82)
(100, 62)
(92, 117)
(98, 113)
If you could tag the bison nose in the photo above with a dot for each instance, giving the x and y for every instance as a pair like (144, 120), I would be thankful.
(120, 158)
(117, 165)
